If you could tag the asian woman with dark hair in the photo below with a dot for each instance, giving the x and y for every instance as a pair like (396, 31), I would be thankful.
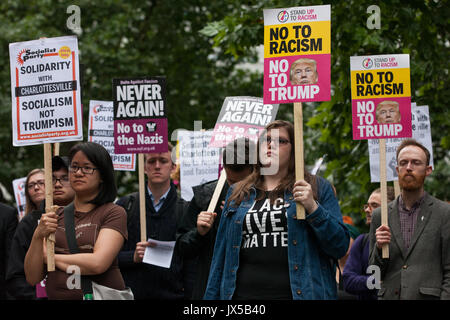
(100, 228)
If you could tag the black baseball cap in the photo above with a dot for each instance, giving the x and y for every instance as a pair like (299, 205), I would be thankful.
(60, 162)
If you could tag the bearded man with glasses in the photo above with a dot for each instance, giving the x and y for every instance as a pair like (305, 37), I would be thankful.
(418, 235)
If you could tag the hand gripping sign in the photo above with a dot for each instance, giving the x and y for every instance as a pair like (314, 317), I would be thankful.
(297, 55)
(381, 107)
(46, 103)
(140, 124)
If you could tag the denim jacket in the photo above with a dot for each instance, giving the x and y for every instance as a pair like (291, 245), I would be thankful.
(314, 244)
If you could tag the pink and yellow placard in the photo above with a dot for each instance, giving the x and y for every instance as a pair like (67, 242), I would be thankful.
(297, 49)
(381, 96)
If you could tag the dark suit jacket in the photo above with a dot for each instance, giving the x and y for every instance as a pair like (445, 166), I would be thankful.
(422, 271)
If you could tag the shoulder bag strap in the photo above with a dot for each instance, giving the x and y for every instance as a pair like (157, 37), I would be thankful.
(69, 224)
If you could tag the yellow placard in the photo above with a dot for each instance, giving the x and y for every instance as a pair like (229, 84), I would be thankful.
(380, 83)
(295, 39)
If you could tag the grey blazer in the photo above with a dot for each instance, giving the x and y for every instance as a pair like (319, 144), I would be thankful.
(422, 271)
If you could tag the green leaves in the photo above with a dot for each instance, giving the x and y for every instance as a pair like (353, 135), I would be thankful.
(417, 28)
(200, 46)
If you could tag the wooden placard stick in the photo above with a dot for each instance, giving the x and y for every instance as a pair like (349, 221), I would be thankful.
(396, 188)
(56, 149)
(217, 191)
(143, 219)
(299, 162)
(383, 189)
(49, 204)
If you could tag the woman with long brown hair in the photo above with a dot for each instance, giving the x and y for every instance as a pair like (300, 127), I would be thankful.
(34, 190)
(262, 251)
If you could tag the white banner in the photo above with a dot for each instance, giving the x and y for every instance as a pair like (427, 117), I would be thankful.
(421, 131)
(45, 91)
(19, 195)
(101, 131)
(198, 162)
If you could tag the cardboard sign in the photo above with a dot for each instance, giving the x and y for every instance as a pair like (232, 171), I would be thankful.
(45, 90)
(421, 131)
(198, 162)
(19, 195)
(140, 118)
(241, 117)
(297, 54)
(101, 131)
(381, 96)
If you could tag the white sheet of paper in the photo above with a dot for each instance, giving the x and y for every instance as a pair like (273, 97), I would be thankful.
(161, 254)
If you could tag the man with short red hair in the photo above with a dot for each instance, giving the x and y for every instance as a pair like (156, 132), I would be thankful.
(418, 234)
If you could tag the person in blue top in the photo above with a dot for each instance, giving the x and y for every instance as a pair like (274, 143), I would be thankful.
(262, 250)
(355, 274)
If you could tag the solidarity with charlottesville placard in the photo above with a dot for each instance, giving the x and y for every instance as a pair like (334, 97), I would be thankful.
(46, 103)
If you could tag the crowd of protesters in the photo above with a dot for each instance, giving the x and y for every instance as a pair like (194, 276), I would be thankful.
(251, 246)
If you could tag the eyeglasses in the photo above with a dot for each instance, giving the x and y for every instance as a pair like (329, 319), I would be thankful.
(64, 180)
(281, 141)
(39, 183)
(372, 206)
(85, 170)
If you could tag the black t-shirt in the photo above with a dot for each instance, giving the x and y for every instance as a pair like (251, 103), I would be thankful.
(263, 261)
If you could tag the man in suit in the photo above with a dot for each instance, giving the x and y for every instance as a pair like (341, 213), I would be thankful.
(418, 234)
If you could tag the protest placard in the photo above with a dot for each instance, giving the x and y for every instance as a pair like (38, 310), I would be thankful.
(421, 131)
(45, 90)
(198, 162)
(297, 46)
(297, 54)
(140, 118)
(381, 107)
(381, 96)
(19, 195)
(241, 117)
(46, 103)
(101, 131)
(140, 125)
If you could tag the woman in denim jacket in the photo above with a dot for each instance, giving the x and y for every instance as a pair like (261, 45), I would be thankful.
(262, 251)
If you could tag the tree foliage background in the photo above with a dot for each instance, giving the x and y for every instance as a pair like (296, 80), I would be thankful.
(202, 46)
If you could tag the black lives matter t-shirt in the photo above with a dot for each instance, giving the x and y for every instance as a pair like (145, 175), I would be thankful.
(263, 261)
